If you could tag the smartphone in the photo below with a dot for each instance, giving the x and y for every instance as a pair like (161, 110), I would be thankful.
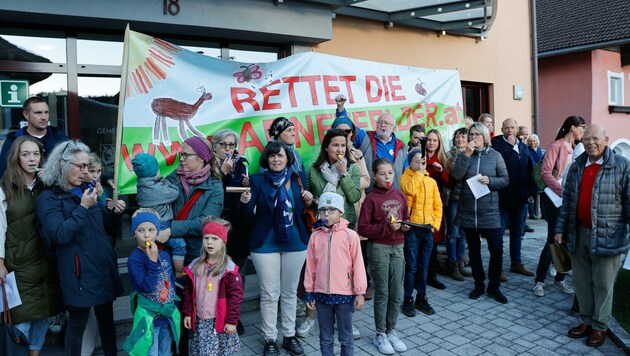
(423, 145)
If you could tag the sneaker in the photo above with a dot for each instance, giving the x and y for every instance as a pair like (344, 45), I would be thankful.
(382, 344)
(293, 346)
(271, 349)
(539, 289)
(57, 323)
(422, 304)
(408, 308)
(305, 328)
(356, 334)
(563, 287)
(398, 345)
(552, 272)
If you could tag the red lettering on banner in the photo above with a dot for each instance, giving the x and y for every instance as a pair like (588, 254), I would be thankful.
(394, 85)
(356, 117)
(268, 93)
(374, 114)
(170, 157)
(347, 79)
(248, 130)
(403, 126)
(371, 80)
(309, 136)
(319, 118)
(291, 81)
(431, 109)
(311, 79)
(329, 89)
(249, 99)
(385, 88)
(137, 149)
(450, 116)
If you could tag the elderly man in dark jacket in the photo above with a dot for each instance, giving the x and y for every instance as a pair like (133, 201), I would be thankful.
(593, 221)
(514, 198)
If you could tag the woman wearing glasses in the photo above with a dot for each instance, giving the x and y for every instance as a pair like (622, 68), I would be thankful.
(72, 222)
(479, 217)
(234, 173)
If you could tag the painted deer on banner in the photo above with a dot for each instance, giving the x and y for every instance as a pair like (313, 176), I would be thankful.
(179, 111)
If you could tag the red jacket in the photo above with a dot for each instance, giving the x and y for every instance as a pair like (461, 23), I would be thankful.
(228, 301)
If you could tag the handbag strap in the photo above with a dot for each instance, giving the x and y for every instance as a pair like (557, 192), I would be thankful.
(6, 315)
(300, 183)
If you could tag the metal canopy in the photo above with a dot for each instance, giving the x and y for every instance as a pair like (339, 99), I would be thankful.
(471, 18)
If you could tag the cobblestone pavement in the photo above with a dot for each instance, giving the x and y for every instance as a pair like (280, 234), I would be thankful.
(527, 325)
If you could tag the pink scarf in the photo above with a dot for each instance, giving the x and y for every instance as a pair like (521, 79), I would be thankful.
(188, 179)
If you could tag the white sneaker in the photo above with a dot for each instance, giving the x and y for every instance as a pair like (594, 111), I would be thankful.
(398, 345)
(57, 323)
(563, 287)
(356, 334)
(382, 343)
(539, 289)
(305, 328)
(552, 272)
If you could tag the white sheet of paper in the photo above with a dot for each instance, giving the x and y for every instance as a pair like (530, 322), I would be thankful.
(13, 296)
(476, 187)
(555, 199)
(626, 264)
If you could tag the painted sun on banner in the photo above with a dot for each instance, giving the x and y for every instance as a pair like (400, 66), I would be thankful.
(172, 94)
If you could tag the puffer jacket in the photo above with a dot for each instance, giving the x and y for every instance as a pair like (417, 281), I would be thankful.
(482, 213)
(610, 211)
(423, 198)
(334, 264)
(454, 185)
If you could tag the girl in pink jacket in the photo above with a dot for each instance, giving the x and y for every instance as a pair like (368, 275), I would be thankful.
(335, 278)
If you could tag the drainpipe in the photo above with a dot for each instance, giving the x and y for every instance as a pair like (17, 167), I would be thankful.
(535, 103)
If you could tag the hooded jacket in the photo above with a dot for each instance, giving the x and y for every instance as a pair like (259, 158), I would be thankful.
(230, 296)
(423, 198)
(379, 207)
(334, 264)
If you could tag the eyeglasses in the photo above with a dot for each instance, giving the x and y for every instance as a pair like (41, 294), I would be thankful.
(590, 139)
(326, 210)
(185, 155)
(82, 167)
(384, 123)
(225, 145)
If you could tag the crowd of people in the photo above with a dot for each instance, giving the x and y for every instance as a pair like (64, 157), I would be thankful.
(362, 221)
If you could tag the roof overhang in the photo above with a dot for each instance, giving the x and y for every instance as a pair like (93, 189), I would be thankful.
(472, 18)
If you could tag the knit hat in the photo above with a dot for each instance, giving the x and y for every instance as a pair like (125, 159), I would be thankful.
(142, 217)
(200, 147)
(216, 229)
(342, 120)
(145, 165)
(331, 200)
(414, 152)
(278, 126)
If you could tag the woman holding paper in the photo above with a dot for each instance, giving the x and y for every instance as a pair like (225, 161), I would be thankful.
(480, 216)
(557, 159)
(21, 246)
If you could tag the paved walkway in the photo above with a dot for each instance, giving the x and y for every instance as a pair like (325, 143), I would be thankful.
(527, 325)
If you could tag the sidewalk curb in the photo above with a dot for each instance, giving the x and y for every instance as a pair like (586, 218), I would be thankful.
(619, 336)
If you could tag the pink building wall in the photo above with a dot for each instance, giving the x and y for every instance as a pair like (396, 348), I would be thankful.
(577, 84)
(564, 84)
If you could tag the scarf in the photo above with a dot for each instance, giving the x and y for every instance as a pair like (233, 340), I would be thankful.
(283, 210)
(188, 179)
(331, 175)
(297, 165)
(235, 157)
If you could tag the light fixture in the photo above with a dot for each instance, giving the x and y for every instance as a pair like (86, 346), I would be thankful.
(389, 24)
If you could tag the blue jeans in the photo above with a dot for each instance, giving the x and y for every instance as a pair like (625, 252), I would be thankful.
(514, 219)
(178, 247)
(455, 237)
(418, 246)
(326, 314)
(35, 332)
(162, 340)
(494, 237)
(551, 215)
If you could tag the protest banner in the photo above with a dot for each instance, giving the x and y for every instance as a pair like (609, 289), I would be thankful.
(169, 94)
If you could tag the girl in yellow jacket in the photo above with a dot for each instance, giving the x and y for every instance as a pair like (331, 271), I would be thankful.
(425, 205)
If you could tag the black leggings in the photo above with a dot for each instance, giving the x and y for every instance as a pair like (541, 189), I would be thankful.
(76, 326)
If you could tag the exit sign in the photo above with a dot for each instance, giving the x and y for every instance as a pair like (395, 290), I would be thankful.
(13, 93)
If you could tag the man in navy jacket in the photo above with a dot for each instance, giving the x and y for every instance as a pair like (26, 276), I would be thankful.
(514, 198)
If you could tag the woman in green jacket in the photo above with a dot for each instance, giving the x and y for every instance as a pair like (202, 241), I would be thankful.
(21, 247)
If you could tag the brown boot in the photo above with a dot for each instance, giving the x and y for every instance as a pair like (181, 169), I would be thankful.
(453, 272)
(462, 269)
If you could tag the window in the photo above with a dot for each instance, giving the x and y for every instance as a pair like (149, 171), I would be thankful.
(477, 98)
(615, 88)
